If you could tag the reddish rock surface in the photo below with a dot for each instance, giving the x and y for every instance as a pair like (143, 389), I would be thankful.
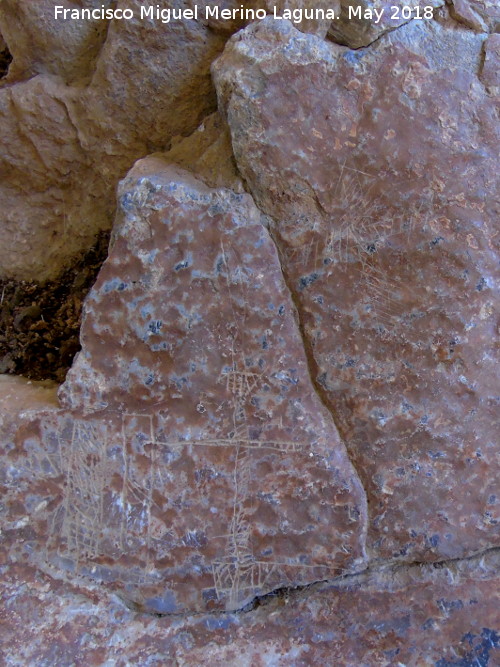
(379, 169)
(196, 467)
(336, 274)
(414, 616)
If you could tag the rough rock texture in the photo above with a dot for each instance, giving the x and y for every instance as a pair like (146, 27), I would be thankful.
(42, 45)
(414, 616)
(208, 154)
(490, 72)
(479, 15)
(326, 266)
(195, 466)
(357, 28)
(68, 146)
(134, 85)
(383, 188)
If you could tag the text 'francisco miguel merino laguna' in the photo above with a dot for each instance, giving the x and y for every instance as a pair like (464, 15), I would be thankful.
(165, 15)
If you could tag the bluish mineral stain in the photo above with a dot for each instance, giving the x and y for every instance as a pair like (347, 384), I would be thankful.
(166, 604)
(127, 202)
(181, 265)
(353, 57)
(306, 281)
(434, 540)
(114, 284)
(155, 326)
(218, 622)
(480, 649)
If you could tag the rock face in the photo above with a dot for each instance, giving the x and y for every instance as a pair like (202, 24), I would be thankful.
(97, 95)
(194, 467)
(40, 44)
(490, 73)
(361, 22)
(417, 615)
(381, 186)
(282, 429)
(69, 145)
(479, 15)
(208, 154)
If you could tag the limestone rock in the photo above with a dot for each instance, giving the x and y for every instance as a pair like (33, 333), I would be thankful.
(208, 154)
(361, 22)
(479, 15)
(65, 147)
(40, 44)
(379, 169)
(490, 72)
(54, 198)
(192, 465)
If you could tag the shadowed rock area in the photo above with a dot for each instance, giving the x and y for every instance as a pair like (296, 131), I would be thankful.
(40, 322)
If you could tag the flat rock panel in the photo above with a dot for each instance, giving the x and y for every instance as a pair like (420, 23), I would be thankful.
(379, 169)
(194, 466)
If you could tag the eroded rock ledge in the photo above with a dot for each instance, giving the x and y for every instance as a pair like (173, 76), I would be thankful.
(415, 615)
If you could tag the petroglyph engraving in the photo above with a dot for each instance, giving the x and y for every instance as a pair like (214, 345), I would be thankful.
(239, 558)
(189, 482)
(361, 233)
(86, 471)
(79, 524)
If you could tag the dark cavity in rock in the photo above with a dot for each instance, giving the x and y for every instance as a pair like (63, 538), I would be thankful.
(40, 323)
